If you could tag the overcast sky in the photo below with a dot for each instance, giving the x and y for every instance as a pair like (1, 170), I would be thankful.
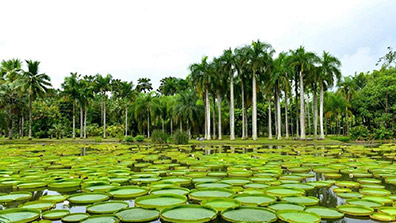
(155, 39)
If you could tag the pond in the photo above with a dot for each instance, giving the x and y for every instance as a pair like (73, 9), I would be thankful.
(190, 183)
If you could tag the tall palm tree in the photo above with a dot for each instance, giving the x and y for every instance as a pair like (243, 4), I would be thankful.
(259, 55)
(186, 109)
(201, 78)
(227, 60)
(303, 61)
(144, 85)
(125, 92)
(329, 70)
(103, 85)
(86, 95)
(71, 90)
(143, 109)
(36, 85)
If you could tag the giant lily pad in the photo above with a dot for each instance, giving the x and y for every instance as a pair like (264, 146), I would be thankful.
(106, 207)
(284, 191)
(302, 200)
(325, 213)
(355, 210)
(286, 206)
(220, 204)
(75, 217)
(101, 219)
(15, 196)
(293, 216)
(364, 202)
(382, 216)
(40, 205)
(55, 214)
(137, 215)
(188, 213)
(160, 201)
(249, 214)
(375, 191)
(255, 200)
(88, 198)
(209, 193)
(127, 192)
(170, 190)
(19, 215)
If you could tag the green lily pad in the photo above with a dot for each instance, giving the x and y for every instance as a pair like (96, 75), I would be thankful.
(220, 204)
(15, 196)
(19, 215)
(209, 193)
(302, 186)
(236, 181)
(106, 207)
(31, 185)
(325, 213)
(88, 198)
(101, 219)
(54, 198)
(127, 192)
(64, 184)
(249, 214)
(349, 195)
(301, 200)
(160, 201)
(286, 206)
(384, 200)
(364, 202)
(293, 216)
(137, 215)
(382, 216)
(75, 217)
(388, 210)
(213, 185)
(255, 200)
(375, 191)
(40, 205)
(355, 210)
(170, 190)
(205, 180)
(55, 214)
(189, 213)
(348, 184)
(284, 191)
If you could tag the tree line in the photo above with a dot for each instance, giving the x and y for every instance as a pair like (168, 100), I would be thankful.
(249, 91)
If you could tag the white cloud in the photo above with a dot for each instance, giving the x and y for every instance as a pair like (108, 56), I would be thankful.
(157, 38)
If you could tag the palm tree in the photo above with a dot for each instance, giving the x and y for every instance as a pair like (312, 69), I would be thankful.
(143, 109)
(259, 55)
(303, 61)
(241, 61)
(124, 91)
(186, 109)
(227, 60)
(329, 69)
(103, 85)
(36, 85)
(144, 85)
(71, 90)
(86, 94)
(201, 78)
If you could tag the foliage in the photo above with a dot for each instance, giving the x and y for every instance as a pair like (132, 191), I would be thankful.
(129, 139)
(139, 138)
(180, 138)
(382, 133)
(159, 137)
(359, 132)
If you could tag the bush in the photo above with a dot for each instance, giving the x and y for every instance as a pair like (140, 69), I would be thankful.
(180, 138)
(359, 132)
(139, 138)
(159, 137)
(128, 139)
(382, 133)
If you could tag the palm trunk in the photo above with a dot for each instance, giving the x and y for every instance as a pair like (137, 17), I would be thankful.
(85, 120)
(207, 107)
(11, 131)
(269, 119)
(254, 107)
(286, 118)
(302, 109)
(278, 114)
(81, 120)
(74, 118)
(148, 123)
(244, 135)
(309, 117)
(296, 105)
(30, 117)
(315, 111)
(171, 125)
(163, 124)
(22, 124)
(181, 126)
(214, 117)
(126, 120)
(321, 112)
(219, 112)
(232, 118)
(104, 118)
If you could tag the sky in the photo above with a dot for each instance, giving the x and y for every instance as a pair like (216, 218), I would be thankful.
(156, 38)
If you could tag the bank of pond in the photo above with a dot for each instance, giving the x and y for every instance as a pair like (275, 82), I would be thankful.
(110, 183)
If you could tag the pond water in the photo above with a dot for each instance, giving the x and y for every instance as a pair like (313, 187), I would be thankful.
(262, 167)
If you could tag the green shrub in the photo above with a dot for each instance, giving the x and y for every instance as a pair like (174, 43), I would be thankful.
(158, 136)
(359, 132)
(128, 139)
(139, 138)
(382, 133)
(180, 138)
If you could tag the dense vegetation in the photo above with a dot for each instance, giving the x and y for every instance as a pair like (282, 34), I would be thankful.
(244, 92)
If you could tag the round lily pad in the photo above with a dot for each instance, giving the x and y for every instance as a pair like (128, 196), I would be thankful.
(101, 219)
(188, 213)
(55, 214)
(236, 181)
(160, 201)
(170, 190)
(375, 191)
(284, 191)
(382, 216)
(15, 196)
(31, 185)
(388, 210)
(64, 184)
(302, 186)
(19, 215)
(294, 216)
(221, 204)
(255, 200)
(75, 217)
(209, 193)
(54, 198)
(355, 210)
(301, 200)
(40, 205)
(249, 214)
(347, 184)
(88, 198)
(106, 207)
(325, 213)
(286, 206)
(137, 215)
(364, 202)
(383, 200)
(349, 195)
(127, 192)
